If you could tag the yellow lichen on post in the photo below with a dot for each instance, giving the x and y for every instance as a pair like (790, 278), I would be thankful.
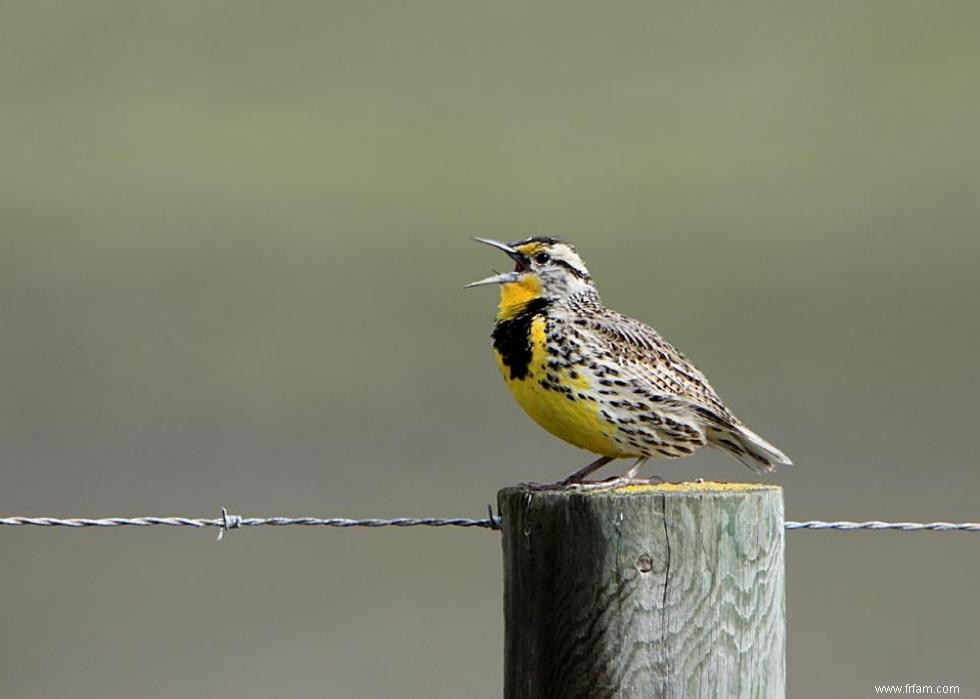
(694, 486)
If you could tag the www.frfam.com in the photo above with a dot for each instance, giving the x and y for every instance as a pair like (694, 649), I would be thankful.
(917, 689)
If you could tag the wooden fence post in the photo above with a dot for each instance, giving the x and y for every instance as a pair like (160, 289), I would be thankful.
(673, 590)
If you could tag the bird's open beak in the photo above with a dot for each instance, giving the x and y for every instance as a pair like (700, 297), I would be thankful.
(506, 277)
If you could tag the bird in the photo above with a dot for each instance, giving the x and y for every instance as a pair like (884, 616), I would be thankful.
(598, 379)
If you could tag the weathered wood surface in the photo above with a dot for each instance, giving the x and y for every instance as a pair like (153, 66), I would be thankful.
(646, 591)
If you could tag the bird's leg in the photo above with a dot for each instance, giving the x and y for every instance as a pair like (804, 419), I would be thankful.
(630, 476)
(627, 478)
(580, 475)
(575, 478)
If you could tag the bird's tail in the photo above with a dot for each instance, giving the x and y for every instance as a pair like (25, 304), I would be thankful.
(748, 447)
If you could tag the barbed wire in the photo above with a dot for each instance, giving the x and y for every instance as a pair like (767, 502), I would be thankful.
(236, 522)
(228, 521)
(896, 526)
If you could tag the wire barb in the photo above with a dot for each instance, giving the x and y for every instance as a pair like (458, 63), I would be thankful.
(228, 522)
(495, 522)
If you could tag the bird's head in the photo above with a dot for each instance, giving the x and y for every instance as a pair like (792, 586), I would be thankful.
(544, 268)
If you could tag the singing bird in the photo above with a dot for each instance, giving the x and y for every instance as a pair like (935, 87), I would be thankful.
(598, 379)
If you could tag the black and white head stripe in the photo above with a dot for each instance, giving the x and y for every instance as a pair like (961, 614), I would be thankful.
(543, 240)
(574, 266)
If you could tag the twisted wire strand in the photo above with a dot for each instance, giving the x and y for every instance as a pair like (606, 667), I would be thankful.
(229, 521)
(896, 526)
(236, 522)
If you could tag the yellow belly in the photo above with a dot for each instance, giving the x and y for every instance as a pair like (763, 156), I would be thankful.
(578, 421)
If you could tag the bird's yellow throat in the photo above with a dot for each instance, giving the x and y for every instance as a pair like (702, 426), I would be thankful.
(515, 296)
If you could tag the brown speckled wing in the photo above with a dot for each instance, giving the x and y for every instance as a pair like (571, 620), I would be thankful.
(651, 360)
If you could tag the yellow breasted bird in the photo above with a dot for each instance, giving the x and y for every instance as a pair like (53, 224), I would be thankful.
(601, 380)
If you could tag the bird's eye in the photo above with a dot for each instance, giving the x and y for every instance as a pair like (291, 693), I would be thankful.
(542, 258)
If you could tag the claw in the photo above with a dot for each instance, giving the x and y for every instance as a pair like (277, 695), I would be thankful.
(530, 485)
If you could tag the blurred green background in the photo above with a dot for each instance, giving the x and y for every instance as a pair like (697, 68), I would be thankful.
(233, 237)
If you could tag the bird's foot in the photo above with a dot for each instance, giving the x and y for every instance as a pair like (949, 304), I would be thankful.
(614, 482)
(605, 484)
(570, 484)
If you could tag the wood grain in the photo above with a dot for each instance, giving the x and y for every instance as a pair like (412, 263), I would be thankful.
(645, 591)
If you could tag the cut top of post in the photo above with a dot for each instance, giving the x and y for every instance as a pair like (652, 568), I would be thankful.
(685, 488)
